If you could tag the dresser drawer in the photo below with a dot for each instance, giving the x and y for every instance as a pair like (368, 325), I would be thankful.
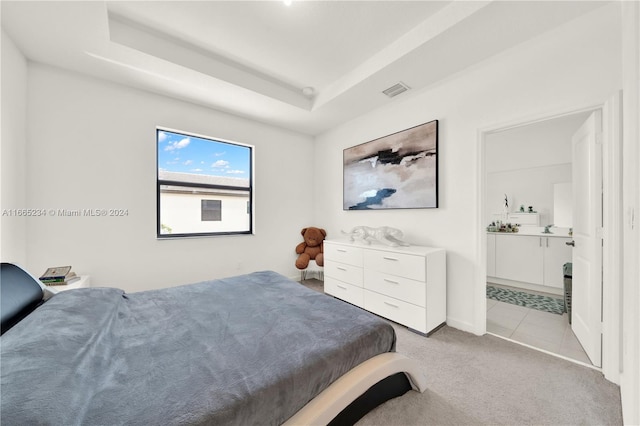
(411, 291)
(344, 291)
(343, 254)
(341, 271)
(396, 310)
(398, 264)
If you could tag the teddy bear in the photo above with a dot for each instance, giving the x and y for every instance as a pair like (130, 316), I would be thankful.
(311, 248)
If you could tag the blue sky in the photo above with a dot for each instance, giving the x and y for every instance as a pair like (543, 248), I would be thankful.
(190, 154)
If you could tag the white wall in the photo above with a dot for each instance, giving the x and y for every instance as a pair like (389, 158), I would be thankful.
(630, 295)
(544, 143)
(13, 153)
(573, 66)
(530, 187)
(91, 144)
(526, 161)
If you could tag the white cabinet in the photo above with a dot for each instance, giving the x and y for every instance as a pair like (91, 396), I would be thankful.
(519, 258)
(491, 255)
(404, 284)
(527, 259)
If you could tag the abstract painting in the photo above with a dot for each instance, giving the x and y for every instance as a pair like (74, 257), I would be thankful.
(398, 171)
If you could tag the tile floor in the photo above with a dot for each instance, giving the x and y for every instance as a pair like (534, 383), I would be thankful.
(539, 329)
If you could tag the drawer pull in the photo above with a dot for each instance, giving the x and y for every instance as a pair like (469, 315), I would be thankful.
(390, 304)
(390, 258)
(391, 282)
(341, 268)
(341, 250)
(339, 286)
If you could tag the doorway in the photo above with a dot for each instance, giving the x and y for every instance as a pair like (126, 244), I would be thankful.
(613, 218)
(528, 168)
(612, 211)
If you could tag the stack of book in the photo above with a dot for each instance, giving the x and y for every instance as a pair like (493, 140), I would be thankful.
(59, 275)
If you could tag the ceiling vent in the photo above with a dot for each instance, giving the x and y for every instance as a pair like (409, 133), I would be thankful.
(396, 89)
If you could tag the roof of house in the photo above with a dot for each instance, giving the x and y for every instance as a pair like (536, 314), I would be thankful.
(203, 179)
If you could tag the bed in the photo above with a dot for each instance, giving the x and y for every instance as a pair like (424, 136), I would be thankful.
(252, 349)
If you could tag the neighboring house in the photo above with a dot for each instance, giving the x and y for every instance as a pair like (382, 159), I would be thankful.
(223, 206)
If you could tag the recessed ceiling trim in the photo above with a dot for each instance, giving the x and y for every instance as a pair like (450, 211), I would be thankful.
(454, 40)
(135, 35)
(426, 33)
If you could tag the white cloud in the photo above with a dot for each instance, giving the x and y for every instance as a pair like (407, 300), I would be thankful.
(188, 162)
(162, 136)
(220, 163)
(178, 145)
(235, 172)
(195, 170)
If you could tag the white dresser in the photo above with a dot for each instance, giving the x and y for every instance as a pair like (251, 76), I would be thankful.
(404, 284)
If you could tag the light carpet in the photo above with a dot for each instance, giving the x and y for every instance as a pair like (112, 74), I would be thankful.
(485, 380)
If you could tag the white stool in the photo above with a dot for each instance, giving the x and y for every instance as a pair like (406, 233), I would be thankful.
(312, 267)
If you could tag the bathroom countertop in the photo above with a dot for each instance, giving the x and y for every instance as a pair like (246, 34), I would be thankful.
(535, 231)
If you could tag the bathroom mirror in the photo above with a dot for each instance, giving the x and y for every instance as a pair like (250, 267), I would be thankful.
(562, 204)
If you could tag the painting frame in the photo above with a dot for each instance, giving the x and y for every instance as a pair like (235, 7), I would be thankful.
(396, 171)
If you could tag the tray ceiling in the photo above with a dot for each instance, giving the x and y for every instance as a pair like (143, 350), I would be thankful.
(307, 67)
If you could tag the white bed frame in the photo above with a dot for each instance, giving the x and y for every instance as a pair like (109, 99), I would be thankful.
(329, 403)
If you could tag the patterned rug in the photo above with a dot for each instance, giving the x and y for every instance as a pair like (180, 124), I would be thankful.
(520, 298)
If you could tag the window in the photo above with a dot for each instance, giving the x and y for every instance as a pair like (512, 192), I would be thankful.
(211, 210)
(204, 186)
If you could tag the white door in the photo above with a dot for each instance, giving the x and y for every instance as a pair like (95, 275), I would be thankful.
(586, 309)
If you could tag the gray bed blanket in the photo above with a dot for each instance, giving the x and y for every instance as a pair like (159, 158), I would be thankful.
(251, 349)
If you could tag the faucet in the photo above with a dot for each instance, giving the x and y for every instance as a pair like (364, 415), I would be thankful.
(546, 229)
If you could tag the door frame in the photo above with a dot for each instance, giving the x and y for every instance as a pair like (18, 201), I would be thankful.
(612, 224)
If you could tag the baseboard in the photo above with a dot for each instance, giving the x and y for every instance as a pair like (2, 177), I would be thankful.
(294, 277)
(464, 326)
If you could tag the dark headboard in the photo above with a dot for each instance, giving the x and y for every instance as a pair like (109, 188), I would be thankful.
(20, 294)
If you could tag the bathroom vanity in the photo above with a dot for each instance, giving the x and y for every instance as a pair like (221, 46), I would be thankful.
(529, 259)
